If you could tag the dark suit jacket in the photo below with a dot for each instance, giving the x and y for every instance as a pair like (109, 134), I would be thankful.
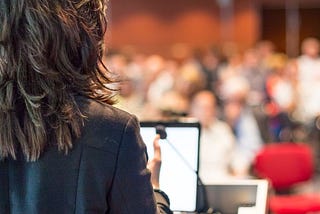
(105, 172)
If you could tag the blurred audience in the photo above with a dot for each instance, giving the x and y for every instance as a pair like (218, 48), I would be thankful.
(252, 97)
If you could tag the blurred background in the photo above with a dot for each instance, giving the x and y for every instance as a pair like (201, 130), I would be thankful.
(155, 26)
(247, 70)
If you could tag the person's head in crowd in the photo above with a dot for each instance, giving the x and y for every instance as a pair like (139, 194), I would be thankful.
(211, 58)
(173, 105)
(50, 52)
(265, 48)
(204, 107)
(235, 88)
(234, 95)
(154, 64)
(190, 80)
(153, 67)
(277, 62)
(250, 59)
(310, 47)
(117, 63)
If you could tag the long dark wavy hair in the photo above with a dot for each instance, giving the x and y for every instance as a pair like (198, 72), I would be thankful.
(50, 52)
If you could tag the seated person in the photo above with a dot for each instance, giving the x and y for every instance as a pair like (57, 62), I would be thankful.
(217, 141)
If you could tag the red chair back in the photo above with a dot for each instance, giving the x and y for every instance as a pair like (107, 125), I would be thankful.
(284, 164)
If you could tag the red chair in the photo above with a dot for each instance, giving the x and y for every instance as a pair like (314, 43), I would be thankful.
(286, 165)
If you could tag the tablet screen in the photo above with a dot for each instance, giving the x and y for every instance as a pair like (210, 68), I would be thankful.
(180, 155)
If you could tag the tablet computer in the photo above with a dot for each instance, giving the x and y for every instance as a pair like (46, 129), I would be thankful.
(180, 160)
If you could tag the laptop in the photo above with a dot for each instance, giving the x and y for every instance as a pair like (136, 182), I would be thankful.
(180, 160)
(243, 196)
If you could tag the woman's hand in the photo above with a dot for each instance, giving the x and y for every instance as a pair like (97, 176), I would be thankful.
(154, 164)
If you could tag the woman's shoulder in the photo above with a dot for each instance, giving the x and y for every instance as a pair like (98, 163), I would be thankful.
(95, 110)
(105, 123)
(102, 117)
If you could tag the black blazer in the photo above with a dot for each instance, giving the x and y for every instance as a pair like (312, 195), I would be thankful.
(105, 172)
